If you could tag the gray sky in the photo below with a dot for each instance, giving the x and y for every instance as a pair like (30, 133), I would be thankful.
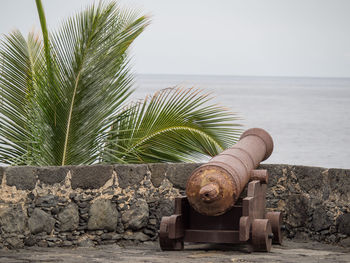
(222, 37)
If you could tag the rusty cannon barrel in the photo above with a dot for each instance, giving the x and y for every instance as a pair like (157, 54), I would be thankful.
(213, 188)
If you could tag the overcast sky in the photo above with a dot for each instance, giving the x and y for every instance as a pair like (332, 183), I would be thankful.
(222, 37)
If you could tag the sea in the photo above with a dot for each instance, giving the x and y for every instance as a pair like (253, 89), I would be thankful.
(308, 118)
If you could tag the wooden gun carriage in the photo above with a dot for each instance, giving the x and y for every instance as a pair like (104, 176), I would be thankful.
(226, 199)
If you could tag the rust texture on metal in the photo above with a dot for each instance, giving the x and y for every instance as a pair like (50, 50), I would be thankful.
(226, 201)
(214, 187)
(260, 175)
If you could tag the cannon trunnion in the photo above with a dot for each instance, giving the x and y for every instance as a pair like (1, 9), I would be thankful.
(225, 200)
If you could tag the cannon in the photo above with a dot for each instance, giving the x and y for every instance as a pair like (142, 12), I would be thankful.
(225, 200)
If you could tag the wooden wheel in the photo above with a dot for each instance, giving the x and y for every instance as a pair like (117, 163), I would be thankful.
(276, 224)
(164, 241)
(261, 235)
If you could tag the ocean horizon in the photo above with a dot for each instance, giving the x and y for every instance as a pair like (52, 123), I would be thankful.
(308, 117)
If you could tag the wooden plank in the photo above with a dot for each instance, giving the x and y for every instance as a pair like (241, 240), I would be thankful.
(244, 228)
(227, 221)
(212, 236)
(180, 205)
(175, 227)
(247, 207)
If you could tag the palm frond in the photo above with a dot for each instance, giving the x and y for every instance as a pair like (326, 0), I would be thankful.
(91, 81)
(62, 99)
(20, 62)
(174, 125)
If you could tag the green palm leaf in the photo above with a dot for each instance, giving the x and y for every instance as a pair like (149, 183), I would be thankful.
(20, 62)
(173, 125)
(58, 114)
(91, 81)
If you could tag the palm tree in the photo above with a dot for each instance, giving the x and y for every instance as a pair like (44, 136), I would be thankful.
(63, 99)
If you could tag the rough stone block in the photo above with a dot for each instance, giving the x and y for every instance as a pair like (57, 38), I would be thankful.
(130, 174)
(91, 176)
(128, 235)
(15, 242)
(103, 215)
(137, 216)
(310, 178)
(40, 221)
(85, 242)
(297, 207)
(339, 182)
(52, 175)
(2, 170)
(47, 201)
(343, 223)
(67, 243)
(158, 171)
(276, 171)
(178, 173)
(12, 219)
(165, 207)
(345, 242)
(69, 218)
(320, 219)
(23, 177)
(30, 241)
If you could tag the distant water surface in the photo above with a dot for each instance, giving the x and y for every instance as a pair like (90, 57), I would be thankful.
(308, 118)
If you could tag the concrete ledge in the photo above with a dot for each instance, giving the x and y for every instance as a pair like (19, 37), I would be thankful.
(90, 176)
(178, 173)
(131, 174)
(52, 175)
(22, 177)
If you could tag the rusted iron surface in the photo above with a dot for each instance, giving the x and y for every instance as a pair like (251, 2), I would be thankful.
(213, 188)
(226, 201)
(260, 175)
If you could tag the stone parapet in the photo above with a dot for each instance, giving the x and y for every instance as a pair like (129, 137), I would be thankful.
(104, 204)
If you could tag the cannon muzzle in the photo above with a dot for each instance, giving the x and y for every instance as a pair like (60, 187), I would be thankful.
(213, 188)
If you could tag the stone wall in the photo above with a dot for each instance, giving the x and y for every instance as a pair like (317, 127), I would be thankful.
(103, 204)
(315, 201)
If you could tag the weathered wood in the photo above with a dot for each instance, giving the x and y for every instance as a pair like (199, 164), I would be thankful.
(276, 223)
(212, 236)
(261, 235)
(165, 242)
(245, 223)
